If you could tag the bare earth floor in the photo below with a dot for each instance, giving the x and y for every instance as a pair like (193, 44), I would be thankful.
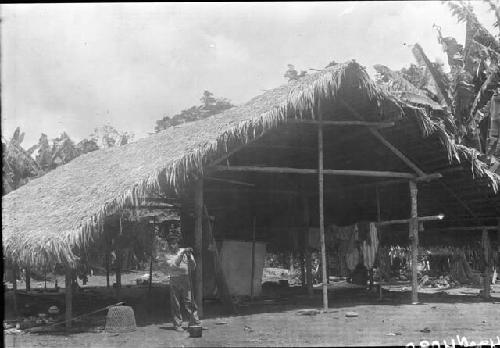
(443, 315)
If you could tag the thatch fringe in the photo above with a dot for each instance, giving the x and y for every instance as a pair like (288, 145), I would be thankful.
(45, 221)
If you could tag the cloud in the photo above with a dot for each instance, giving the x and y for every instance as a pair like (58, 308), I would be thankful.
(72, 67)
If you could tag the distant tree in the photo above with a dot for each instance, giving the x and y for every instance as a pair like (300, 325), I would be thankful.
(107, 136)
(20, 165)
(292, 74)
(44, 155)
(86, 146)
(17, 164)
(63, 150)
(210, 105)
(208, 99)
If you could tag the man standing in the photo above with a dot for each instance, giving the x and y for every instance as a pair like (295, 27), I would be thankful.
(177, 263)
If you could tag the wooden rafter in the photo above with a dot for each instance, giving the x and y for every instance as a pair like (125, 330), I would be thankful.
(384, 141)
(345, 123)
(346, 172)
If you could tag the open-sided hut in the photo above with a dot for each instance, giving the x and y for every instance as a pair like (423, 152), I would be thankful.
(315, 151)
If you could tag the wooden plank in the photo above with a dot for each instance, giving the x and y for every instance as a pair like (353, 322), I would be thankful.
(68, 298)
(321, 215)
(414, 241)
(345, 123)
(198, 244)
(220, 279)
(345, 172)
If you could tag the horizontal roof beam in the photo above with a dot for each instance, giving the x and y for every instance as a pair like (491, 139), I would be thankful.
(345, 123)
(344, 172)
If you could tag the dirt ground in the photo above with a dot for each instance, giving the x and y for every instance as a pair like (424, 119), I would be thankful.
(275, 321)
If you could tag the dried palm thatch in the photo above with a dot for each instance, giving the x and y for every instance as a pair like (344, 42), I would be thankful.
(45, 221)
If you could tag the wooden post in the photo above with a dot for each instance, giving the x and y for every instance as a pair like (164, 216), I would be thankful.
(118, 274)
(198, 244)
(118, 270)
(485, 241)
(497, 270)
(151, 254)
(321, 212)
(107, 268)
(414, 241)
(253, 258)
(14, 288)
(308, 259)
(69, 297)
(27, 274)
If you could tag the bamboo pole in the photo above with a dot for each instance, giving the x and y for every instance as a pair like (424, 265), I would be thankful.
(345, 123)
(485, 241)
(118, 271)
(308, 258)
(27, 275)
(253, 259)
(414, 241)
(14, 288)
(107, 268)
(345, 172)
(321, 214)
(198, 244)
(151, 254)
(405, 221)
(68, 297)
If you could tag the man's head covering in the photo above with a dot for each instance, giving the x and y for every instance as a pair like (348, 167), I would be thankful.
(174, 231)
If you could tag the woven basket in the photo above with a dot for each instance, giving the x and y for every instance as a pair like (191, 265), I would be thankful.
(120, 319)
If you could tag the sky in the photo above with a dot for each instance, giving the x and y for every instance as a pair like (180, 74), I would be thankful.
(74, 67)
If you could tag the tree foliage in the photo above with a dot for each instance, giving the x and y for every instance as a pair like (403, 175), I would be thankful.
(210, 105)
(473, 78)
(291, 74)
(20, 165)
(17, 164)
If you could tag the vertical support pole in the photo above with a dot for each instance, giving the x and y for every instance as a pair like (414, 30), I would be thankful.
(198, 244)
(14, 288)
(301, 238)
(308, 258)
(27, 275)
(414, 241)
(118, 251)
(321, 213)
(107, 268)
(118, 274)
(69, 297)
(485, 241)
(153, 233)
(253, 259)
(497, 270)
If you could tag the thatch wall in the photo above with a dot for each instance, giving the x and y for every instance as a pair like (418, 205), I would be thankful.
(47, 218)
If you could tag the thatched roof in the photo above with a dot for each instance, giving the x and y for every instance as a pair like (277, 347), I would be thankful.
(44, 220)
